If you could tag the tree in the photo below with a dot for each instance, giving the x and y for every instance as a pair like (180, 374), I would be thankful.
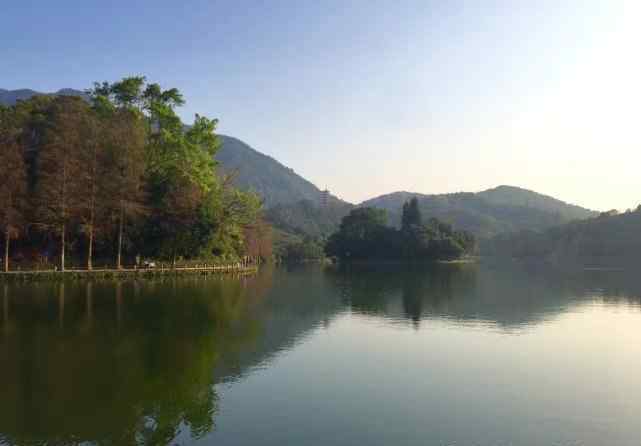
(93, 178)
(59, 168)
(126, 170)
(257, 239)
(411, 214)
(14, 182)
(229, 211)
(363, 235)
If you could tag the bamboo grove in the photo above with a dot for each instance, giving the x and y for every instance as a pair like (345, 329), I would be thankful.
(116, 175)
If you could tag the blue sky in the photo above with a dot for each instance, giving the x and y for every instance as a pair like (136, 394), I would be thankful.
(370, 97)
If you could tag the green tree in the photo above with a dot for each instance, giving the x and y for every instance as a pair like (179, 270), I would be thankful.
(126, 170)
(411, 214)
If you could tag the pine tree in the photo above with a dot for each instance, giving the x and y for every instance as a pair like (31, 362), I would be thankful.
(411, 214)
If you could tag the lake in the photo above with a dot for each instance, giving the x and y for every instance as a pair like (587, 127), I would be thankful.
(445, 355)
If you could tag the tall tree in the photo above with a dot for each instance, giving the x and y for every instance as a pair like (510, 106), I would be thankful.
(126, 170)
(60, 167)
(14, 182)
(411, 214)
(94, 179)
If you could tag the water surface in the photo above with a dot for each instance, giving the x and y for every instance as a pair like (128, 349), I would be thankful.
(448, 355)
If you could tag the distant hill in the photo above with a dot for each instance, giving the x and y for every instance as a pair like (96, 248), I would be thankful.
(515, 196)
(10, 97)
(500, 210)
(609, 239)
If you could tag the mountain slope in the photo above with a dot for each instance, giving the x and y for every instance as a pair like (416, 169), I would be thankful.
(609, 239)
(274, 182)
(488, 213)
(293, 204)
(515, 196)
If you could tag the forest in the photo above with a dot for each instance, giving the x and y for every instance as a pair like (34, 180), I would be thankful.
(611, 238)
(365, 235)
(115, 177)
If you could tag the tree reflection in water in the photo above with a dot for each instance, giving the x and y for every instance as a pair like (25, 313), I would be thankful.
(124, 363)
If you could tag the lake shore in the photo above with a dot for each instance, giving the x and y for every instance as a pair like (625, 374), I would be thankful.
(126, 272)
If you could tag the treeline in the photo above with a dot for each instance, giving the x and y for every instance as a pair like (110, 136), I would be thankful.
(118, 177)
(365, 235)
(607, 239)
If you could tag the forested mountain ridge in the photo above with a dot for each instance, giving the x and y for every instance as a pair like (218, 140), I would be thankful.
(276, 183)
(608, 239)
(293, 204)
(495, 211)
(516, 196)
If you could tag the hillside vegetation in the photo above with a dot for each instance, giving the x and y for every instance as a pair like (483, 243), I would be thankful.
(486, 214)
(607, 239)
(257, 172)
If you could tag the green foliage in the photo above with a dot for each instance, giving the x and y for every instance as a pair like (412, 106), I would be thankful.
(364, 235)
(306, 218)
(306, 249)
(501, 210)
(411, 215)
(608, 238)
(121, 167)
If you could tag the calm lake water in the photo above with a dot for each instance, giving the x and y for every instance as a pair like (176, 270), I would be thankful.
(448, 356)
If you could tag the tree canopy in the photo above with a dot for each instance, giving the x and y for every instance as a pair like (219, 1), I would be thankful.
(118, 175)
(364, 235)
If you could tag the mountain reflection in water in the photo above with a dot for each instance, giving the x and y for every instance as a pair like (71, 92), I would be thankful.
(140, 362)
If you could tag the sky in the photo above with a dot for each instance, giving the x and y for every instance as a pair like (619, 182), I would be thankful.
(371, 97)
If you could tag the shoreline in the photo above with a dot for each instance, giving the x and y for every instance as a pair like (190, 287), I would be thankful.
(124, 273)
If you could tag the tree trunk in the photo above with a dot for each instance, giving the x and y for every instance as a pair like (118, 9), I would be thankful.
(120, 229)
(90, 249)
(62, 248)
(7, 238)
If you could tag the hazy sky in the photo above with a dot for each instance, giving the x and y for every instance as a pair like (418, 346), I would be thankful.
(370, 97)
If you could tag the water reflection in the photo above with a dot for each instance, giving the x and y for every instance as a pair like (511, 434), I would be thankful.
(139, 362)
(102, 363)
(508, 297)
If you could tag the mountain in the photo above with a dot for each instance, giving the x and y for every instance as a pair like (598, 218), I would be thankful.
(274, 182)
(10, 97)
(500, 210)
(515, 196)
(610, 239)
(293, 204)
